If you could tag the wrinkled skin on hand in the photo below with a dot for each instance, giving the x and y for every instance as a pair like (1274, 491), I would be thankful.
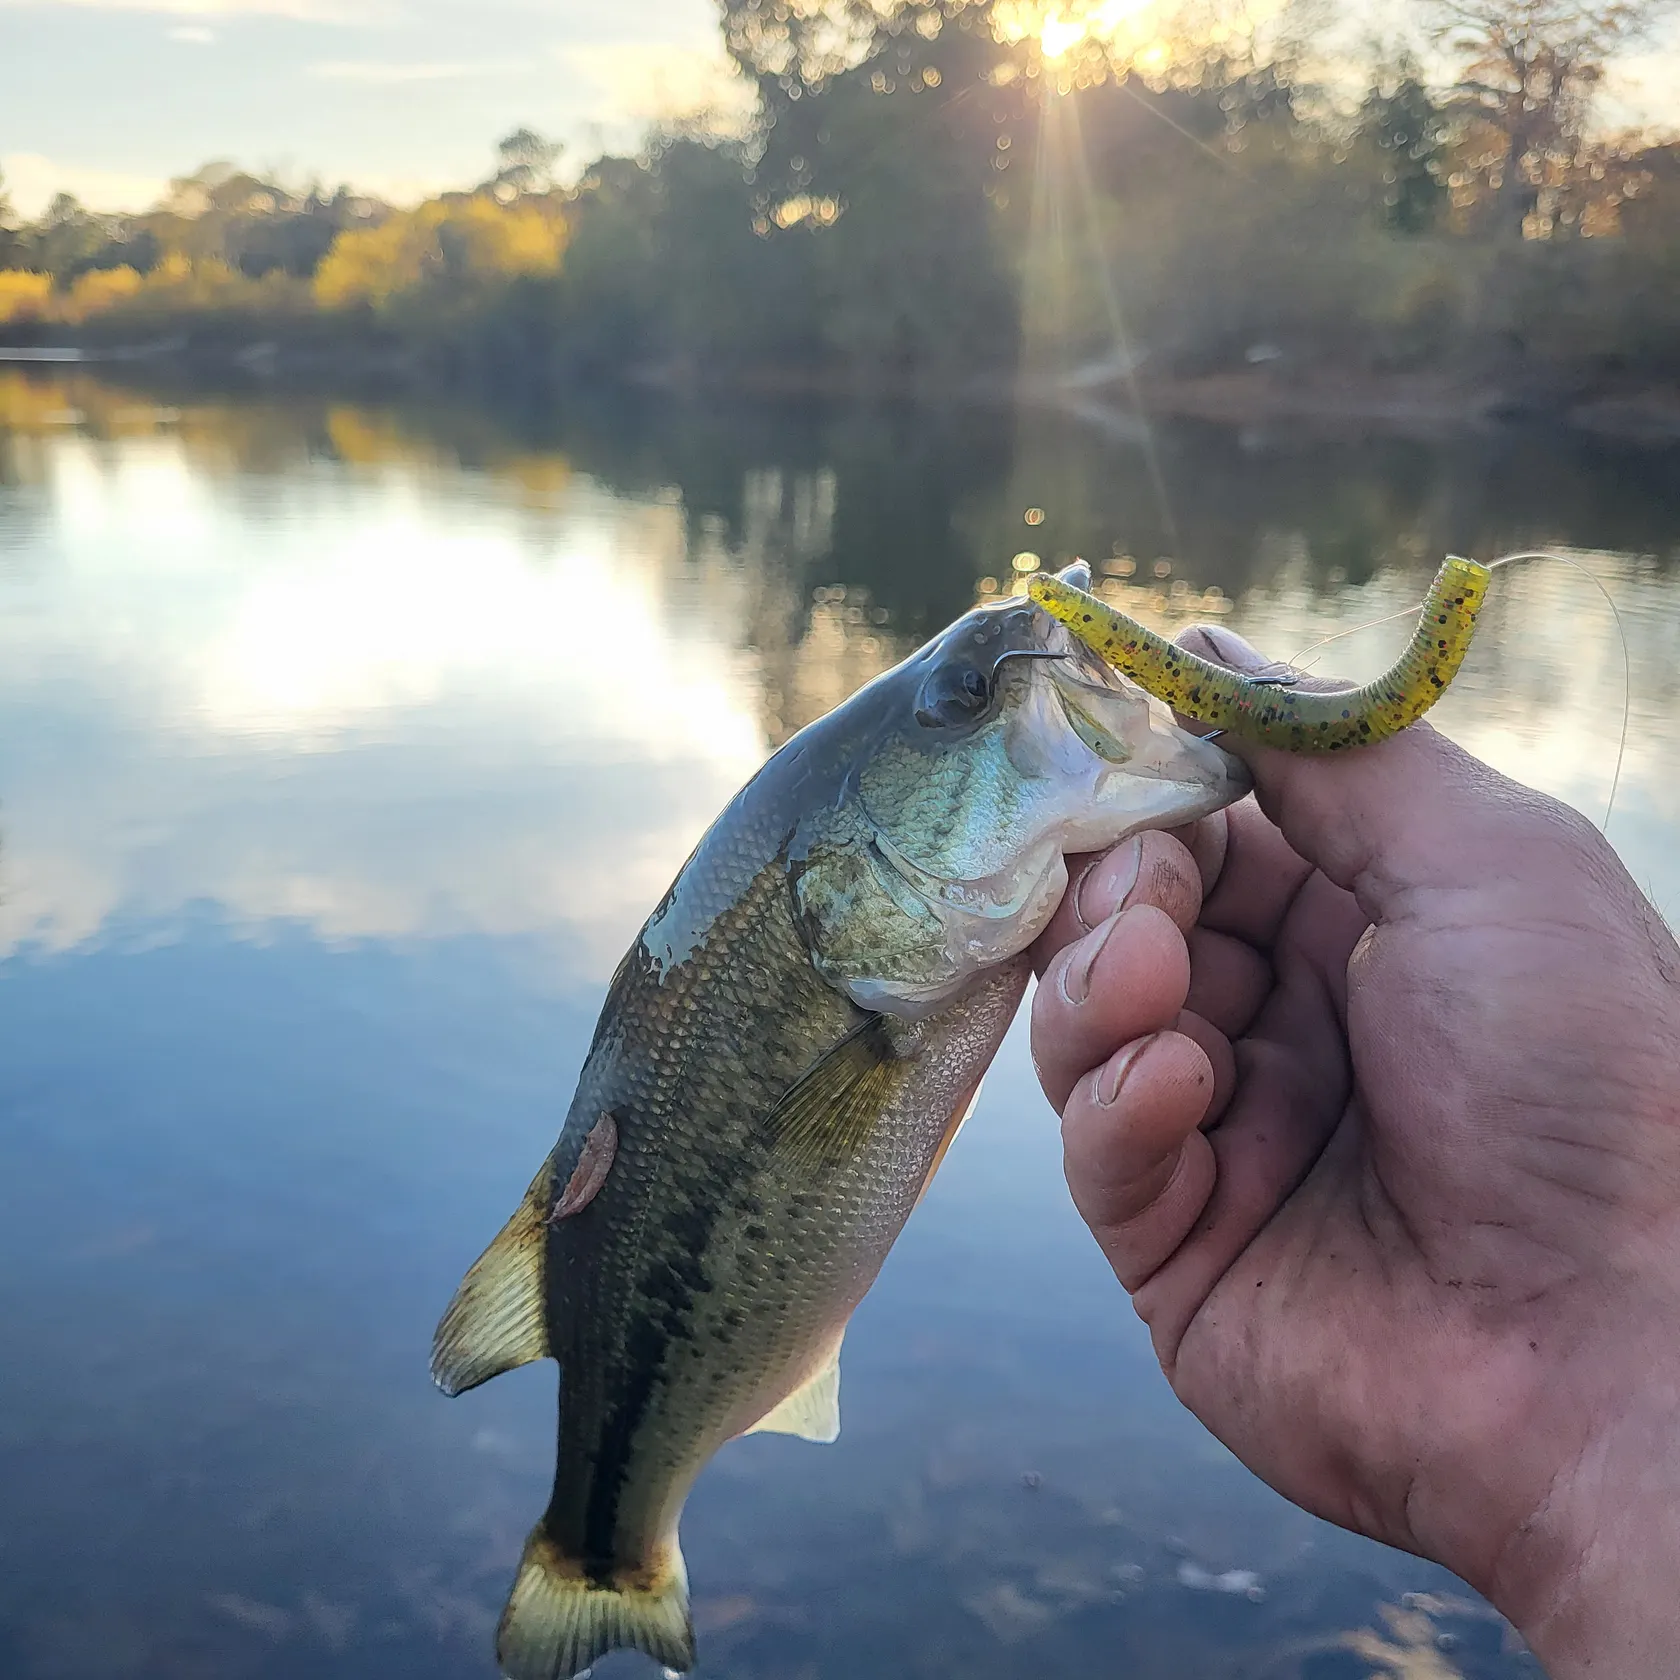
(1370, 1093)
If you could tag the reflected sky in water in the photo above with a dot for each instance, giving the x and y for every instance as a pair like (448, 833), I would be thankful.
(345, 750)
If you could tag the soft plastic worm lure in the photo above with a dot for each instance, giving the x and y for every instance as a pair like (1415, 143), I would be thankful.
(1265, 711)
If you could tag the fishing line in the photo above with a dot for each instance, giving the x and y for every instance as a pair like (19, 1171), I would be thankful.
(1621, 632)
(1511, 560)
(1353, 630)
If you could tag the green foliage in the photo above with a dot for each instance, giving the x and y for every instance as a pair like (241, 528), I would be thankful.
(1408, 132)
(524, 164)
(885, 180)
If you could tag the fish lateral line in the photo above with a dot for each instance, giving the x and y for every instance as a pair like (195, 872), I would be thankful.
(1270, 713)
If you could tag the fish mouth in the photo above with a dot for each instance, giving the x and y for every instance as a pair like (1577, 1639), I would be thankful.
(1106, 759)
(1084, 723)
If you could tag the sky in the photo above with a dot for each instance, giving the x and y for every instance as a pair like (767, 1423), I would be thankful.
(110, 99)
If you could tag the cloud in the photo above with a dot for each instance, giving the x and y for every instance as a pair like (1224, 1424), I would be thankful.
(376, 74)
(341, 12)
(651, 80)
(32, 181)
(391, 717)
(1642, 90)
(193, 34)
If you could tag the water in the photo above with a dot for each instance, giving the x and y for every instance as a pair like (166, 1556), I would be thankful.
(344, 751)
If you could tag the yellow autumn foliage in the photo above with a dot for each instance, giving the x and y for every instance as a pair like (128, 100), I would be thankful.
(454, 239)
(200, 283)
(97, 290)
(23, 294)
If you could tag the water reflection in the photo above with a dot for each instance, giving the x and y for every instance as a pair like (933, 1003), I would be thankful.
(348, 746)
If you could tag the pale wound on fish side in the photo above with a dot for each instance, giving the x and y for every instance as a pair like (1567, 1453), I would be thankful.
(594, 1163)
(557, 1622)
(812, 1411)
(495, 1322)
(825, 1117)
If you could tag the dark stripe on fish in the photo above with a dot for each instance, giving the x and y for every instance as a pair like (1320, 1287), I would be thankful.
(671, 1281)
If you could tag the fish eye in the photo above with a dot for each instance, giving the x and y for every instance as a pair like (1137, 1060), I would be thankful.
(953, 695)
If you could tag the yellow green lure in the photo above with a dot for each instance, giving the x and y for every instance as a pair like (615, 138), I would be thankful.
(1263, 711)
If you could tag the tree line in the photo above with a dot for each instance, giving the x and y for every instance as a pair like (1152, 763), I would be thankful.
(936, 193)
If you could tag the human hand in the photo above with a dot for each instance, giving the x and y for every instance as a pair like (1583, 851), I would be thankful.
(1371, 1096)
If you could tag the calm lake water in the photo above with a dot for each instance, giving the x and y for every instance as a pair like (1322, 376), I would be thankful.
(345, 749)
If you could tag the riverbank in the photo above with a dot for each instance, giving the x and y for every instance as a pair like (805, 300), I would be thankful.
(1618, 406)
(1611, 408)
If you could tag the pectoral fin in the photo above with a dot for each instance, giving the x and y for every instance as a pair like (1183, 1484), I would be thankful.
(812, 1411)
(825, 1117)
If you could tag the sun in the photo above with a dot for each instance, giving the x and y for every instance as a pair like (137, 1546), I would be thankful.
(1057, 33)
(1121, 27)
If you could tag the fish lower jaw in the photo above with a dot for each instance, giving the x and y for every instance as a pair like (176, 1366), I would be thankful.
(1122, 804)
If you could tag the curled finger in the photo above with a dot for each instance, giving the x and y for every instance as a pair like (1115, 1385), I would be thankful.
(1137, 1163)
(1120, 982)
(1221, 1058)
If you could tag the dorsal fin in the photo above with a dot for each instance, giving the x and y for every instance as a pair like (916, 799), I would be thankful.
(496, 1320)
(812, 1411)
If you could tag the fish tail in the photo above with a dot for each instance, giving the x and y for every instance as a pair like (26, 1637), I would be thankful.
(558, 1619)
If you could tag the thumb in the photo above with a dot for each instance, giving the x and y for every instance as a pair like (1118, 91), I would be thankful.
(1413, 811)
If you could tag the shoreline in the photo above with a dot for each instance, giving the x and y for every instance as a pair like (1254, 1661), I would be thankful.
(1622, 409)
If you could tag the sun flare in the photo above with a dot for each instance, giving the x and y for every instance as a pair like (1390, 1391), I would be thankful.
(1057, 33)
(1124, 29)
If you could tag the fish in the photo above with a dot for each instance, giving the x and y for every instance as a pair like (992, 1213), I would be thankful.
(782, 1059)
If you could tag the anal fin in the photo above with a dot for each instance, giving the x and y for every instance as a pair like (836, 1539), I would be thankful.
(495, 1321)
(812, 1411)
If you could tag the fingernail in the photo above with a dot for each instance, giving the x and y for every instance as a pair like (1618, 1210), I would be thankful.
(1118, 872)
(1076, 977)
(1113, 1073)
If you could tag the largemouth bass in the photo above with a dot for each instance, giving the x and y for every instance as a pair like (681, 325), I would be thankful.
(781, 1061)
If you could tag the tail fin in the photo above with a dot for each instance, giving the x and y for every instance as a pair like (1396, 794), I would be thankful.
(557, 1622)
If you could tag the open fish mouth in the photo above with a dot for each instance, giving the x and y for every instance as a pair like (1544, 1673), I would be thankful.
(1106, 757)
